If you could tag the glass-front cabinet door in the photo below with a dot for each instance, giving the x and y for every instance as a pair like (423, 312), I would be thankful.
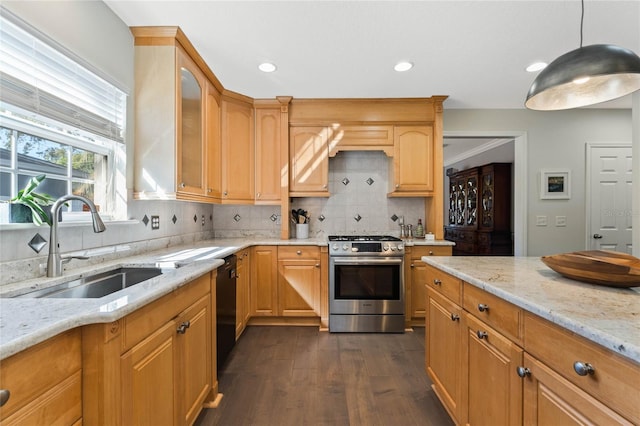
(190, 128)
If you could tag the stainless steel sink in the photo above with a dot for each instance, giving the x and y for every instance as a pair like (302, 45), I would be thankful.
(98, 285)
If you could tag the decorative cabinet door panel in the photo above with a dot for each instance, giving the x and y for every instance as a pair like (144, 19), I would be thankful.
(309, 161)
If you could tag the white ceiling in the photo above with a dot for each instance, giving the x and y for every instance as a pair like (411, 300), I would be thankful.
(473, 51)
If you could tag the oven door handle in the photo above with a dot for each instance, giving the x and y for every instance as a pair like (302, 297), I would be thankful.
(368, 261)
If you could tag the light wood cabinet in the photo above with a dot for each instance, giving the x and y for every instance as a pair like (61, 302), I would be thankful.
(238, 152)
(171, 123)
(443, 350)
(412, 166)
(155, 365)
(269, 168)
(309, 162)
(492, 391)
(517, 368)
(264, 280)
(299, 281)
(243, 290)
(44, 383)
(214, 144)
(415, 280)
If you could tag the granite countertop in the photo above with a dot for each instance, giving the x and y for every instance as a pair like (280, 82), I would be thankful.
(25, 322)
(605, 315)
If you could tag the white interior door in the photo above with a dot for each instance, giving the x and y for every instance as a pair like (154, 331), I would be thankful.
(609, 208)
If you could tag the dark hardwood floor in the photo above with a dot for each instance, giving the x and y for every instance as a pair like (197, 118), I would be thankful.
(301, 376)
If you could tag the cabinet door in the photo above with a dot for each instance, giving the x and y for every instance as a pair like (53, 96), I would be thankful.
(309, 160)
(194, 369)
(268, 168)
(243, 307)
(238, 169)
(443, 345)
(413, 159)
(299, 287)
(149, 380)
(214, 147)
(493, 389)
(190, 110)
(418, 282)
(549, 399)
(264, 280)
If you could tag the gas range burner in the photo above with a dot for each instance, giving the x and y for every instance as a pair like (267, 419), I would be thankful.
(363, 238)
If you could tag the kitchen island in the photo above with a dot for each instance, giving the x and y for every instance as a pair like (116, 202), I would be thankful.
(551, 349)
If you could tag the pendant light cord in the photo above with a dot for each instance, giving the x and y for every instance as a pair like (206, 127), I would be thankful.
(581, 21)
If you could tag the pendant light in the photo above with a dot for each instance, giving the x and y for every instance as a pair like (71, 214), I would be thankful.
(585, 76)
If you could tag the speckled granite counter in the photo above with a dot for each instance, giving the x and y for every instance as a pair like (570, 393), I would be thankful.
(605, 315)
(25, 322)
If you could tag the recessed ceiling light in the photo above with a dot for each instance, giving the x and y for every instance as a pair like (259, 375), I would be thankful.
(267, 67)
(536, 66)
(403, 66)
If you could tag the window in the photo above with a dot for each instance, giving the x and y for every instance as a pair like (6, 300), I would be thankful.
(56, 118)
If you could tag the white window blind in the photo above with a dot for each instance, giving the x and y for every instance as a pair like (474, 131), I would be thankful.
(38, 78)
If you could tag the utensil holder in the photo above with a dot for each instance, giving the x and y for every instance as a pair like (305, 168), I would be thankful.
(302, 231)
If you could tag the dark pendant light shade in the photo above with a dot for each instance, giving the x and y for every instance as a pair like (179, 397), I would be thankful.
(585, 76)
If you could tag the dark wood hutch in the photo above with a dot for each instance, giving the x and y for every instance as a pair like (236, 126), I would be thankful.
(479, 219)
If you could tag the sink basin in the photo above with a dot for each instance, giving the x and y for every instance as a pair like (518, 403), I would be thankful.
(98, 285)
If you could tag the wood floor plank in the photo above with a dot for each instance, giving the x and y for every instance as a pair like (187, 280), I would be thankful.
(279, 376)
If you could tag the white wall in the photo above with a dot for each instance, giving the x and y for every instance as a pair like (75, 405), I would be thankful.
(554, 140)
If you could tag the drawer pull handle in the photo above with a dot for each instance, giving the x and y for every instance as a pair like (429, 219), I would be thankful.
(455, 317)
(413, 266)
(482, 334)
(183, 327)
(430, 252)
(583, 368)
(523, 371)
(437, 281)
(299, 252)
(317, 265)
(482, 307)
(4, 396)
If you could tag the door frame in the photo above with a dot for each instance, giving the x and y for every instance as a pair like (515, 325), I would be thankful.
(587, 184)
(520, 183)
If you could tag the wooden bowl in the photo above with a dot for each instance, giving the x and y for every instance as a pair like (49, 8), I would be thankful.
(602, 267)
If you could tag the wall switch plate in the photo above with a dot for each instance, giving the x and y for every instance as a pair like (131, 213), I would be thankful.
(155, 222)
(561, 221)
(541, 221)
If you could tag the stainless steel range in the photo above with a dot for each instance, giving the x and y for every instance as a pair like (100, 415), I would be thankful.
(366, 284)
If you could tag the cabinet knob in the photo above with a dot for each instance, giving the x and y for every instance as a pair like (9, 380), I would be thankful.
(412, 265)
(430, 252)
(182, 185)
(455, 317)
(209, 190)
(583, 368)
(225, 193)
(482, 307)
(183, 327)
(437, 281)
(482, 334)
(4, 396)
(299, 252)
(258, 195)
(523, 371)
(324, 186)
(397, 185)
(317, 265)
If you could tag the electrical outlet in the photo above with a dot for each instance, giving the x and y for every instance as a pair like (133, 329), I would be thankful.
(541, 221)
(561, 221)
(155, 222)
(203, 220)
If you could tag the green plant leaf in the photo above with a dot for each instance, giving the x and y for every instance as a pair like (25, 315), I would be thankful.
(38, 214)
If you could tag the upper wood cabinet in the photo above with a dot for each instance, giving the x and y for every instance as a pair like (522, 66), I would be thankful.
(238, 152)
(269, 168)
(214, 144)
(172, 125)
(413, 163)
(309, 151)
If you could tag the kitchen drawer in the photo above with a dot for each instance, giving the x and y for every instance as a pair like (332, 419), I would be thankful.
(30, 374)
(419, 251)
(445, 284)
(615, 381)
(298, 252)
(496, 312)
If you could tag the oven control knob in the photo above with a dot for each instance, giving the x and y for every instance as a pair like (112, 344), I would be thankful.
(393, 248)
(335, 247)
(385, 247)
(400, 247)
(345, 247)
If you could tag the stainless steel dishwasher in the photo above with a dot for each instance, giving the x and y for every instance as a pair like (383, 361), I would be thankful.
(226, 309)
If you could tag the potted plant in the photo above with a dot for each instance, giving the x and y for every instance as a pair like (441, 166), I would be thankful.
(29, 205)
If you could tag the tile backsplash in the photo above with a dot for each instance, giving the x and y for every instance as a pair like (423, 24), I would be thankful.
(359, 183)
